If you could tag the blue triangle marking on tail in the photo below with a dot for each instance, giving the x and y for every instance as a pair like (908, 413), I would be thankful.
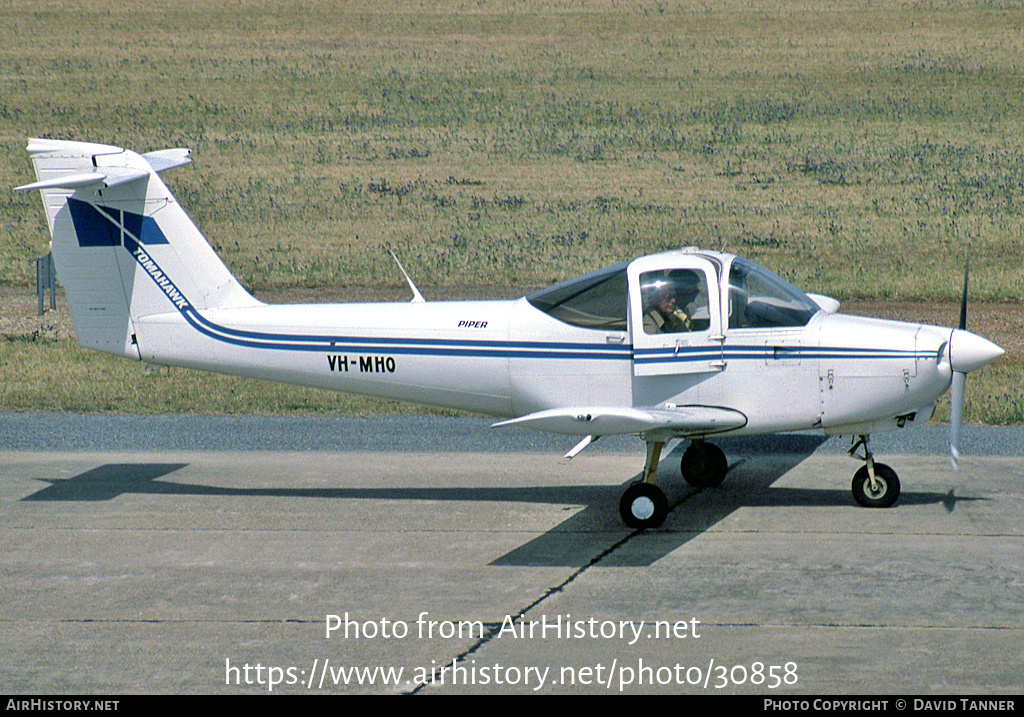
(102, 226)
(91, 227)
(150, 232)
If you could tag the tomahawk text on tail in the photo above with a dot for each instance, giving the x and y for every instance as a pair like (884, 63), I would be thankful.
(685, 344)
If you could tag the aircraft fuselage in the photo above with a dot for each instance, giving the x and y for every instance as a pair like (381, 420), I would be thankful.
(506, 358)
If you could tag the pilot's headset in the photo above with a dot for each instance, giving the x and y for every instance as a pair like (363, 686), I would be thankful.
(686, 285)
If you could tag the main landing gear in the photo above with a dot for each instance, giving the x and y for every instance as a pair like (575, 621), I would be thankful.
(875, 485)
(644, 505)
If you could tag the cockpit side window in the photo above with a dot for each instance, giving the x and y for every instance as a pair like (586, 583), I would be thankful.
(760, 299)
(674, 301)
(595, 301)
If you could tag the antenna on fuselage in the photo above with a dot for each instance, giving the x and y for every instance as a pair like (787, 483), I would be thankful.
(417, 297)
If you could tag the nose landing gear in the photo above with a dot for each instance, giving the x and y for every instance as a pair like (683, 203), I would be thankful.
(875, 485)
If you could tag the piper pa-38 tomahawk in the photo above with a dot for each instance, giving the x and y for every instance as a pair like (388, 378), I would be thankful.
(686, 344)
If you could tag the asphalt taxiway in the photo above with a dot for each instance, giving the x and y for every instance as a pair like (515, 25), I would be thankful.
(436, 555)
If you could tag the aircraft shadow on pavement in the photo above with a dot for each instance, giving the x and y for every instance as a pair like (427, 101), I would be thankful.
(756, 463)
(594, 534)
(106, 482)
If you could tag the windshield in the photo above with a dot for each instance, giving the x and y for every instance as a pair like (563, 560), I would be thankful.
(594, 301)
(758, 298)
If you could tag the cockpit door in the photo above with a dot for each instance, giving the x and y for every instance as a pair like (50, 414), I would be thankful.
(675, 316)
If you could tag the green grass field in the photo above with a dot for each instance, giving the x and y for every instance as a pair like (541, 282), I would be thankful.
(857, 148)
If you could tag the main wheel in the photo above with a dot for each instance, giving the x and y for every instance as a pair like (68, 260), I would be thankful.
(886, 490)
(643, 505)
(704, 465)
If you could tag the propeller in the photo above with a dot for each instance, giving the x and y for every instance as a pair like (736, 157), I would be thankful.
(956, 416)
(966, 352)
(956, 392)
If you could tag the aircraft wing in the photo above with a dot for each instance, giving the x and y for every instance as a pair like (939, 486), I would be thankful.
(610, 420)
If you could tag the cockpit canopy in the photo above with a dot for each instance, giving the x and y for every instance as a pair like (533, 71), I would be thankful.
(755, 298)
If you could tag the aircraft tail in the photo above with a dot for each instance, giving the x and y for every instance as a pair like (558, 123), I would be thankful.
(124, 248)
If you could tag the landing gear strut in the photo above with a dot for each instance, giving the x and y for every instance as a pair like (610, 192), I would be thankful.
(875, 485)
(644, 505)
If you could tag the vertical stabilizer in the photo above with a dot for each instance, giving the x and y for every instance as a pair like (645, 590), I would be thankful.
(123, 246)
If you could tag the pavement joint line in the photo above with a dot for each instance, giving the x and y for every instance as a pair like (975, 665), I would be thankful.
(494, 629)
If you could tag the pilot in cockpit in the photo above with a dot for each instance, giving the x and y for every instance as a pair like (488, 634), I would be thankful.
(668, 302)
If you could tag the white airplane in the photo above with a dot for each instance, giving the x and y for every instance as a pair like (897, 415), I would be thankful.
(684, 344)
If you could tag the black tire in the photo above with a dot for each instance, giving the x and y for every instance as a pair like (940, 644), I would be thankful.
(643, 505)
(704, 465)
(887, 489)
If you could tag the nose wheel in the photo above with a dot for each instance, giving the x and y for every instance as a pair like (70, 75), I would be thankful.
(875, 485)
(882, 492)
